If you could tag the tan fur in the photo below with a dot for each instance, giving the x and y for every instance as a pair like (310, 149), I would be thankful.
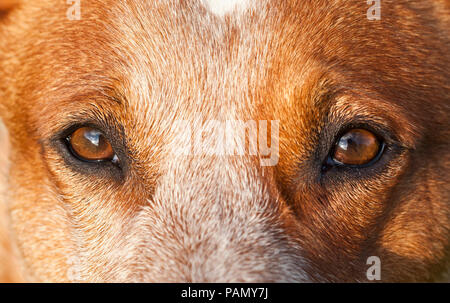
(139, 66)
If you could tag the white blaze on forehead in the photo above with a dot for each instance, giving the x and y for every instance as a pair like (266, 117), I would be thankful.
(222, 7)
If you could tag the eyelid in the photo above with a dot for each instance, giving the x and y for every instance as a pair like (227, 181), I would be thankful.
(335, 130)
(383, 134)
(112, 131)
(69, 146)
(361, 107)
(90, 116)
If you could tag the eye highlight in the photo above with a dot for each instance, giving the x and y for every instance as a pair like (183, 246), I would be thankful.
(357, 147)
(90, 145)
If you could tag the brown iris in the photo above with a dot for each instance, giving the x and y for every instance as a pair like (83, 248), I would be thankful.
(90, 144)
(357, 147)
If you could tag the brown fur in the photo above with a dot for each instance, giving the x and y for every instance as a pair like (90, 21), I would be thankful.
(137, 66)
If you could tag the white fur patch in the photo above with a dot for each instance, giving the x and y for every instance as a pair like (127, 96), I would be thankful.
(222, 7)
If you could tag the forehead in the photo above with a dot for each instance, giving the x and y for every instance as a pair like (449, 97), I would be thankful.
(171, 57)
(221, 7)
(222, 51)
(148, 50)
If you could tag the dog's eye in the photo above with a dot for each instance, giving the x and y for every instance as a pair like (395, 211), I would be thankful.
(90, 144)
(357, 147)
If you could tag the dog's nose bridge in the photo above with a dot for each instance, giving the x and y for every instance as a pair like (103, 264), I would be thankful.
(219, 181)
(213, 219)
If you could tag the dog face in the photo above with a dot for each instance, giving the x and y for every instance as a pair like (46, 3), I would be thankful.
(354, 113)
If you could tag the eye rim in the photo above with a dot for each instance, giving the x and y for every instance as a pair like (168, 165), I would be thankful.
(330, 162)
(370, 163)
(57, 150)
(112, 131)
(75, 154)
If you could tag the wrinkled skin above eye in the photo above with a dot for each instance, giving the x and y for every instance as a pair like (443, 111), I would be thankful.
(357, 147)
(91, 145)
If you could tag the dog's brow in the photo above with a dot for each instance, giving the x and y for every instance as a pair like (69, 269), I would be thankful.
(323, 93)
(112, 94)
(104, 94)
